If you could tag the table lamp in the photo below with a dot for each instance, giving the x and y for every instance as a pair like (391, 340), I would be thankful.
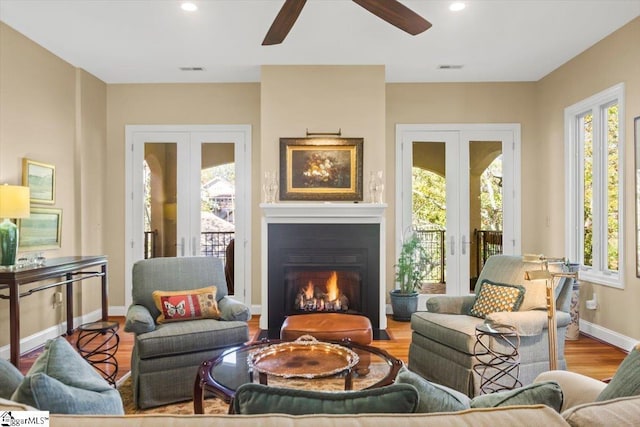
(549, 278)
(14, 203)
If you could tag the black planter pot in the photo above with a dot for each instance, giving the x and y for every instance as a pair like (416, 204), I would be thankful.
(403, 305)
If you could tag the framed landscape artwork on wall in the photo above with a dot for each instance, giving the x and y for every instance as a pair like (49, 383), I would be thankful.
(42, 230)
(321, 169)
(41, 180)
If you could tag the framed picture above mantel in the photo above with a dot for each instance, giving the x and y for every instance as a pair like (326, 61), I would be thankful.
(328, 169)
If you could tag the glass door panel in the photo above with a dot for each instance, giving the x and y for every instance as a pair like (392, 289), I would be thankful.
(485, 204)
(217, 202)
(160, 199)
(429, 209)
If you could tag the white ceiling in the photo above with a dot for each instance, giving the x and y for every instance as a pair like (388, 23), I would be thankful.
(145, 41)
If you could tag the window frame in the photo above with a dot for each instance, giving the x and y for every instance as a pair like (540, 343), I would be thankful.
(574, 184)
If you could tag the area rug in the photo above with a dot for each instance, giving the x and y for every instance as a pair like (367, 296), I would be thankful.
(212, 405)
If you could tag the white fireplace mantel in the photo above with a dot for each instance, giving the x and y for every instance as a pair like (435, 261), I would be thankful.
(306, 212)
(320, 213)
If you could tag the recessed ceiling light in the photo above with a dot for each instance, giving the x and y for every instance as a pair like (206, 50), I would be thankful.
(188, 6)
(457, 6)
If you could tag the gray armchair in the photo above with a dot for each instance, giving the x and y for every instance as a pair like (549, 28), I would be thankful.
(166, 356)
(443, 338)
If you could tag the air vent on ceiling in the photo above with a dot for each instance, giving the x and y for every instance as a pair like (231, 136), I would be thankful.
(191, 69)
(449, 67)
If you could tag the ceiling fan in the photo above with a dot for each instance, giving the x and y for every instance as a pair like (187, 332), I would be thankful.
(391, 11)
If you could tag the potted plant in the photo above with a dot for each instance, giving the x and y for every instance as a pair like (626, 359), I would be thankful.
(411, 270)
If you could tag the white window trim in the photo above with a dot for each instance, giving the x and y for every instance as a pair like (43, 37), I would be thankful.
(573, 183)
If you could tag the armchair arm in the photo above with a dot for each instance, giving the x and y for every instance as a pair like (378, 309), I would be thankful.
(450, 304)
(139, 320)
(231, 309)
(527, 323)
(576, 388)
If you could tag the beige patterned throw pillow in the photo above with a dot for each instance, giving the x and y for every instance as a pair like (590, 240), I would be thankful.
(495, 297)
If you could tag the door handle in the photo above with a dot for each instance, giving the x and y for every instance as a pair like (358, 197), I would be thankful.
(453, 245)
(463, 244)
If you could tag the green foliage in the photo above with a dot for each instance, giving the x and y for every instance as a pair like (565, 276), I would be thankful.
(429, 199)
(412, 265)
(491, 196)
(613, 176)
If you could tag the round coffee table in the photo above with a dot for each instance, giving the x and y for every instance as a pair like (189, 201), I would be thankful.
(225, 373)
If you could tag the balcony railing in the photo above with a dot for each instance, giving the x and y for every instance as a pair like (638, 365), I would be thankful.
(487, 243)
(433, 243)
(212, 243)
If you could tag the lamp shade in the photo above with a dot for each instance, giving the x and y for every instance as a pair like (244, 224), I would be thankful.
(14, 201)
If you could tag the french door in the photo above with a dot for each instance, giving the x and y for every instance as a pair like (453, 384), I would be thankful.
(458, 188)
(188, 194)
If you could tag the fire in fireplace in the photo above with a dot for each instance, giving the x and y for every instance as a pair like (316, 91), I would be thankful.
(322, 293)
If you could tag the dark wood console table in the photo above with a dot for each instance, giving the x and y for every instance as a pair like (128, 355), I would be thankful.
(71, 268)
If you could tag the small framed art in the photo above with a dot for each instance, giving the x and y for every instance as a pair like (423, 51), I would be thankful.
(41, 180)
(42, 230)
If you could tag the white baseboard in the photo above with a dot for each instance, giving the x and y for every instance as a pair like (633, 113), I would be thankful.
(38, 339)
(610, 337)
(117, 310)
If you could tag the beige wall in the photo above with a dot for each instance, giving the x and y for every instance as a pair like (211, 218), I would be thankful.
(52, 112)
(614, 60)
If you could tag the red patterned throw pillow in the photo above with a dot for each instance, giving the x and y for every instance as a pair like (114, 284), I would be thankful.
(186, 305)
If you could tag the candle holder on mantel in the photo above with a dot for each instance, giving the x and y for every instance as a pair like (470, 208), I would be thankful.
(376, 186)
(270, 186)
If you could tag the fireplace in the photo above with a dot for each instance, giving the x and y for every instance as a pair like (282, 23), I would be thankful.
(317, 268)
(311, 290)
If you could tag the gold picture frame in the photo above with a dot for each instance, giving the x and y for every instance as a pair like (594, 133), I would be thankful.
(42, 230)
(41, 180)
(328, 169)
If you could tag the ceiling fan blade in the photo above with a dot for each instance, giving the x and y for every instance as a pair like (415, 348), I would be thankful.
(284, 22)
(395, 13)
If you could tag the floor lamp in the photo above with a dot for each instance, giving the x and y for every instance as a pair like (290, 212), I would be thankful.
(549, 278)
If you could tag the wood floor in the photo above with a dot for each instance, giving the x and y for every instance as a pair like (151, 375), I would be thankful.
(586, 355)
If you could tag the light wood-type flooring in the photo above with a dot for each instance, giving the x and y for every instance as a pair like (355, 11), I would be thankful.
(586, 355)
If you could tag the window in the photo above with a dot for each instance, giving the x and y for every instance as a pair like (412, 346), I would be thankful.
(594, 152)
